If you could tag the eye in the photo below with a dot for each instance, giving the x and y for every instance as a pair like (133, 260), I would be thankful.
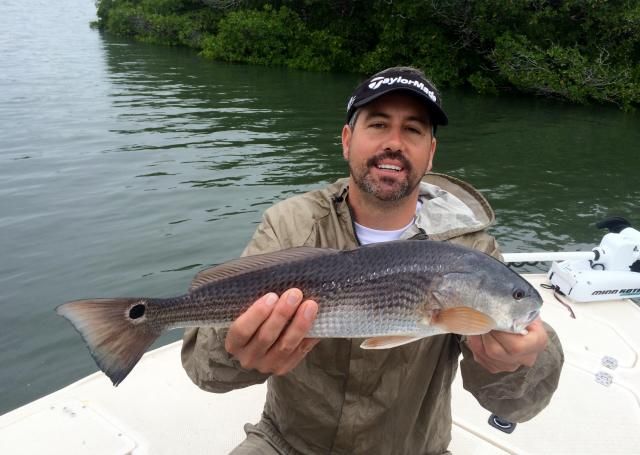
(414, 129)
(518, 294)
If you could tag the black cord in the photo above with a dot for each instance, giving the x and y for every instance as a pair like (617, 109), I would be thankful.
(556, 291)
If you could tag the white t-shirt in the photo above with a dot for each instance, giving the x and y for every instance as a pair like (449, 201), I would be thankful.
(367, 235)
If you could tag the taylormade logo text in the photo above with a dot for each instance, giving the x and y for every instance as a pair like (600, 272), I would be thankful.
(376, 82)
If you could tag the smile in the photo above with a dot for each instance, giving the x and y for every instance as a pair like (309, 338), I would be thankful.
(389, 167)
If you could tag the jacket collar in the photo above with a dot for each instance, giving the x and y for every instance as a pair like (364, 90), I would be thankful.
(450, 207)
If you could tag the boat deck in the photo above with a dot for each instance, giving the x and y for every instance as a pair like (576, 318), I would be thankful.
(157, 410)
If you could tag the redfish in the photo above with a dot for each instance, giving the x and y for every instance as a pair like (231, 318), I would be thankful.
(389, 293)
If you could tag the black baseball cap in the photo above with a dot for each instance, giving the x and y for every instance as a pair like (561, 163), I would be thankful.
(394, 79)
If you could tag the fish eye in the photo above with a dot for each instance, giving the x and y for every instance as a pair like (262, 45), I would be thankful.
(518, 294)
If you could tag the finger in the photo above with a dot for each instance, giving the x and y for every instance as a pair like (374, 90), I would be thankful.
(477, 347)
(510, 351)
(484, 346)
(275, 324)
(283, 352)
(524, 346)
(493, 348)
(522, 349)
(492, 352)
(541, 337)
(308, 344)
(297, 356)
(474, 343)
(297, 330)
(493, 366)
(516, 350)
(245, 326)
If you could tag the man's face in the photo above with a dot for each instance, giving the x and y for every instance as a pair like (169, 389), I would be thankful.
(390, 146)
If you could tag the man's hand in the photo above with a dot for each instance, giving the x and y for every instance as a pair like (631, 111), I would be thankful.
(270, 335)
(501, 352)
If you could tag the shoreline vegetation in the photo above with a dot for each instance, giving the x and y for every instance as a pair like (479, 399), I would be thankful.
(581, 51)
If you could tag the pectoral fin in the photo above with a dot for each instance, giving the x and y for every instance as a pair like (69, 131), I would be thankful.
(463, 321)
(387, 342)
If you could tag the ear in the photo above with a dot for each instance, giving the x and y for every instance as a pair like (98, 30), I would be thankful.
(346, 141)
(432, 152)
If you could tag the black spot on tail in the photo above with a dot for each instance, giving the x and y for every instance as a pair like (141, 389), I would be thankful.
(115, 341)
(137, 311)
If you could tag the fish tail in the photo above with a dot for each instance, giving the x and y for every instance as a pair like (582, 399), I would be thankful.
(116, 331)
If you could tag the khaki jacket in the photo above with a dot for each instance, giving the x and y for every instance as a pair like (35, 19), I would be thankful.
(345, 400)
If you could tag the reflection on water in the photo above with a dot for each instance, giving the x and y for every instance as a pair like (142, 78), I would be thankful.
(125, 168)
(237, 125)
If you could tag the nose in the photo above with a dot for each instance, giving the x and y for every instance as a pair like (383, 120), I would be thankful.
(393, 139)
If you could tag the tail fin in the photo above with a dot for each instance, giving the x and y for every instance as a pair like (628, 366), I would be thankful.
(115, 330)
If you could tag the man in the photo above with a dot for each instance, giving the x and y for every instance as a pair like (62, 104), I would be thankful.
(330, 396)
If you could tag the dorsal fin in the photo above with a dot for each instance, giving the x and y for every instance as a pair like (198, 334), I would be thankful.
(250, 263)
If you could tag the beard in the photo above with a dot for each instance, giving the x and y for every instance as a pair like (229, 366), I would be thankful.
(387, 189)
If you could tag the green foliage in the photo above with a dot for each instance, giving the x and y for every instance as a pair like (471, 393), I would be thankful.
(564, 72)
(169, 22)
(103, 6)
(319, 50)
(260, 37)
(578, 50)
(483, 84)
(165, 7)
(423, 50)
(197, 25)
(127, 20)
(274, 37)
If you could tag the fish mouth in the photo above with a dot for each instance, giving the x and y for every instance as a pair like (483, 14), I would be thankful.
(520, 325)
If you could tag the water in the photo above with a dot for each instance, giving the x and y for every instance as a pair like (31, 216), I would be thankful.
(125, 168)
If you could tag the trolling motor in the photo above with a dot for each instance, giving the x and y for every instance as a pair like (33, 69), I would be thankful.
(611, 271)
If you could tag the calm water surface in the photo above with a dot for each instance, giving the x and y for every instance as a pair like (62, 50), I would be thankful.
(125, 168)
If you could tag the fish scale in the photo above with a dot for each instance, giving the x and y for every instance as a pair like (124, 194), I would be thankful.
(406, 289)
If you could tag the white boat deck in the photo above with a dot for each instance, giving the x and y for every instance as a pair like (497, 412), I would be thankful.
(157, 410)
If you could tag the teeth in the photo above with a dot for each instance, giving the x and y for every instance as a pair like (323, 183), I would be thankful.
(388, 166)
